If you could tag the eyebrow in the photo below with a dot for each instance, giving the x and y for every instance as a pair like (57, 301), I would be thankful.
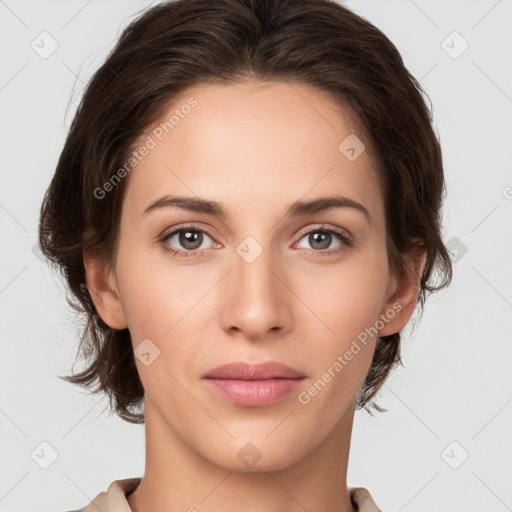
(295, 209)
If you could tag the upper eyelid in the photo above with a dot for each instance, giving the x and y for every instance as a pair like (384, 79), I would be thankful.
(325, 227)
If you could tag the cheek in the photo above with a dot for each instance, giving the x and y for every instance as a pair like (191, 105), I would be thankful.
(156, 296)
(343, 300)
(162, 306)
(343, 307)
(342, 341)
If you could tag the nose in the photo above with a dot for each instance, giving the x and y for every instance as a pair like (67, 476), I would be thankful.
(257, 299)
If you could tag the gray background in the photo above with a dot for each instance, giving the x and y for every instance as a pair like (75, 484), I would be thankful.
(452, 400)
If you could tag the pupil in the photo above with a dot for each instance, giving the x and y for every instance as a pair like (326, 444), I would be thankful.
(321, 237)
(190, 237)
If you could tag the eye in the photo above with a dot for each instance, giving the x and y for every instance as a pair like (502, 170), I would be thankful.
(190, 237)
(321, 237)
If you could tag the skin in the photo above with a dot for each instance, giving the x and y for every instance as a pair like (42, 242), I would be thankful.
(255, 148)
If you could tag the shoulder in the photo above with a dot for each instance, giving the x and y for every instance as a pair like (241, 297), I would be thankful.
(114, 498)
(363, 500)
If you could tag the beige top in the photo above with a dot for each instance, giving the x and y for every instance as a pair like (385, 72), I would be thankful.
(114, 499)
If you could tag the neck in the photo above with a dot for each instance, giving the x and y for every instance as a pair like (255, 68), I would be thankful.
(178, 478)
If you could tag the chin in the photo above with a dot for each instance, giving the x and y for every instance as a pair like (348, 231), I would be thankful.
(258, 455)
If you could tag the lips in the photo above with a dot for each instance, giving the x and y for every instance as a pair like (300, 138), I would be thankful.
(246, 371)
(254, 385)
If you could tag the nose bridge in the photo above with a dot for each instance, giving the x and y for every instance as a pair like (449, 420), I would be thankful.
(253, 270)
(257, 301)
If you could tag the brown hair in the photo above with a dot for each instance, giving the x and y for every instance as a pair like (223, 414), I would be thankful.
(178, 44)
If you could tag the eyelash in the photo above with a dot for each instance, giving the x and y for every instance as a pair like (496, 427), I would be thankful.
(345, 239)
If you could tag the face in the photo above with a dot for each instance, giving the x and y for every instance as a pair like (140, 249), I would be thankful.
(263, 282)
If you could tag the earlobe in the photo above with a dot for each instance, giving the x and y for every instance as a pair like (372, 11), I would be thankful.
(103, 289)
(402, 302)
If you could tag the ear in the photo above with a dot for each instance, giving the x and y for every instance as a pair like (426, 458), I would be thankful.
(102, 286)
(403, 293)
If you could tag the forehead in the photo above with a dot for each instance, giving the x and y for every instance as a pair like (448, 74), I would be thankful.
(258, 144)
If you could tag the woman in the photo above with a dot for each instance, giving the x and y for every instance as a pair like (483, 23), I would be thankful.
(247, 208)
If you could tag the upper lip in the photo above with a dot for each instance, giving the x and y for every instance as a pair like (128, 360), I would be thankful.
(247, 371)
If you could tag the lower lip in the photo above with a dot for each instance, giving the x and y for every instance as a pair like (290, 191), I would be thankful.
(254, 393)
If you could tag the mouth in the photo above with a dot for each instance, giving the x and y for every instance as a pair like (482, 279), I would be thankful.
(254, 385)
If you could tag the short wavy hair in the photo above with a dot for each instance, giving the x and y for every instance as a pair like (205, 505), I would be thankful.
(178, 44)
